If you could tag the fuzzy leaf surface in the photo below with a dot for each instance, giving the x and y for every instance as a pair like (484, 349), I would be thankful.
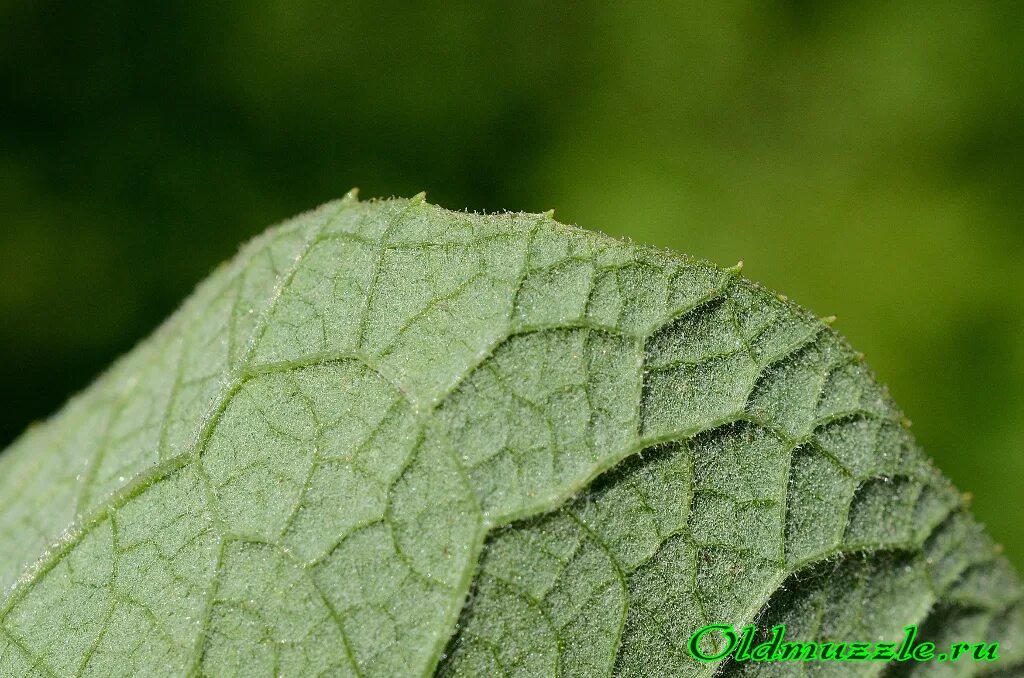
(388, 439)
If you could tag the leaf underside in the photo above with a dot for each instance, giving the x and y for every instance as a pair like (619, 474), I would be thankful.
(388, 439)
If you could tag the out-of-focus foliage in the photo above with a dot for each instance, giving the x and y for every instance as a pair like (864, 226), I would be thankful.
(864, 159)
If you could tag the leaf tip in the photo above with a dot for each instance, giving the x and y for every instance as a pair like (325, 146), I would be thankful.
(828, 319)
(420, 197)
(352, 195)
(736, 268)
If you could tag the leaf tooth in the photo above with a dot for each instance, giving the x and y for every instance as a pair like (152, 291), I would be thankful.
(419, 197)
(828, 319)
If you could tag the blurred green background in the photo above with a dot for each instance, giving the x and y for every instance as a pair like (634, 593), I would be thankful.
(866, 159)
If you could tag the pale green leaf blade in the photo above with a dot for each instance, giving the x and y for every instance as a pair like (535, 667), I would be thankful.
(387, 439)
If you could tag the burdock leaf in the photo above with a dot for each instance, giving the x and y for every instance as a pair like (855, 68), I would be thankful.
(388, 440)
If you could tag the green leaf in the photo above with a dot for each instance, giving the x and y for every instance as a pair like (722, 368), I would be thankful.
(388, 439)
